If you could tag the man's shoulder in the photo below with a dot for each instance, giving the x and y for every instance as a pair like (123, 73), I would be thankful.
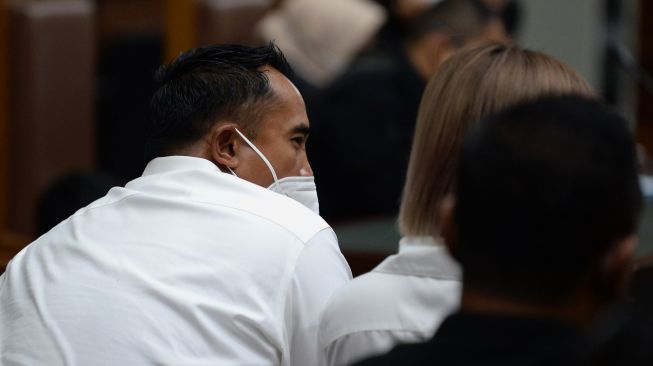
(276, 208)
(292, 216)
(225, 194)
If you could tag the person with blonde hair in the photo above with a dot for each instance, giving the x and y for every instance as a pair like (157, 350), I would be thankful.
(406, 297)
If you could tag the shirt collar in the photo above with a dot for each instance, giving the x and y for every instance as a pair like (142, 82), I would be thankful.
(178, 162)
(421, 256)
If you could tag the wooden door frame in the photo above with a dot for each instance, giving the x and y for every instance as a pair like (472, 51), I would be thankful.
(180, 27)
(4, 115)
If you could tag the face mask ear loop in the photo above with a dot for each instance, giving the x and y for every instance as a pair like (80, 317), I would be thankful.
(265, 160)
(232, 172)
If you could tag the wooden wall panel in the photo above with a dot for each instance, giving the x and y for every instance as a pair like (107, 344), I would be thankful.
(180, 27)
(52, 60)
(4, 96)
(128, 17)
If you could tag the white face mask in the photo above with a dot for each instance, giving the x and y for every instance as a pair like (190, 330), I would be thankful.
(301, 189)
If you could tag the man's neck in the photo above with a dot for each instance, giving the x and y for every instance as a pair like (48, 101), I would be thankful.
(578, 311)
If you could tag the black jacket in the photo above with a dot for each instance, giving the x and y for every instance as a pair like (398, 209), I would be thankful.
(484, 340)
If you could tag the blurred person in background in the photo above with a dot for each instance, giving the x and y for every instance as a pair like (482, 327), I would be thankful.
(401, 13)
(63, 197)
(543, 221)
(320, 38)
(215, 255)
(406, 297)
(366, 121)
(508, 12)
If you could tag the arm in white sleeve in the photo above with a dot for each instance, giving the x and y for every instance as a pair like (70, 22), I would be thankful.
(320, 270)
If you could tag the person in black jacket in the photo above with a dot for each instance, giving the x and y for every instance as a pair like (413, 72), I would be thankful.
(543, 222)
(362, 135)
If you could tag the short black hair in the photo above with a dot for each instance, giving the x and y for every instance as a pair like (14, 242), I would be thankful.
(460, 19)
(543, 190)
(205, 85)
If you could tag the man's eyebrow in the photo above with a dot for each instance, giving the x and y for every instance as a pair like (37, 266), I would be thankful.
(301, 128)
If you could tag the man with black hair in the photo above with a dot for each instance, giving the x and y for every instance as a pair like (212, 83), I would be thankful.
(543, 222)
(368, 114)
(215, 255)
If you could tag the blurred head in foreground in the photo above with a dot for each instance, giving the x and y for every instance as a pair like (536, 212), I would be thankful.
(544, 211)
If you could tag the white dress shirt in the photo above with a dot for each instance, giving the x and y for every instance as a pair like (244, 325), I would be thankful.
(403, 300)
(185, 265)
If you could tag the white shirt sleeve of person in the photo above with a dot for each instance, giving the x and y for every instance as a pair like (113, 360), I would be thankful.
(318, 274)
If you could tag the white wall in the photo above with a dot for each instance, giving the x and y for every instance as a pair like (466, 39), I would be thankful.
(572, 30)
(567, 29)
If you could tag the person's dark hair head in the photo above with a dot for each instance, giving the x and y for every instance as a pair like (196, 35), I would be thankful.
(459, 19)
(543, 191)
(208, 84)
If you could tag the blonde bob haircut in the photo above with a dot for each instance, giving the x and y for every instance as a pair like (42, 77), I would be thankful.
(473, 83)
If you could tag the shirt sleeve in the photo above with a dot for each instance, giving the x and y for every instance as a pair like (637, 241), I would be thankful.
(320, 270)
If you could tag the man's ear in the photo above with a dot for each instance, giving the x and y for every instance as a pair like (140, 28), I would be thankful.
(224, 144)
(448, 226)
(617, 266)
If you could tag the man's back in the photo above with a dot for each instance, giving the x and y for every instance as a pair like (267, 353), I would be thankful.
(185, 265)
